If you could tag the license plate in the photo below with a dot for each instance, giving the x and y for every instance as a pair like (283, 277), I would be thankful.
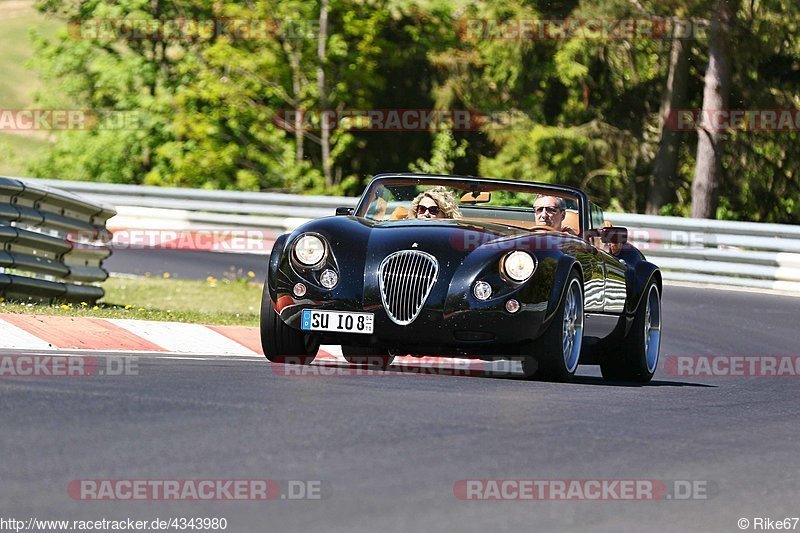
(337, 321)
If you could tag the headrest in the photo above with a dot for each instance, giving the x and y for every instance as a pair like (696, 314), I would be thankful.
(400, 213)
(572, 220)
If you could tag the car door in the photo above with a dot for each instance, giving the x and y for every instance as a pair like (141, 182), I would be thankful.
(613, 268)
(616, 290)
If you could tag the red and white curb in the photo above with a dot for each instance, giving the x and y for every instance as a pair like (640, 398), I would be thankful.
(44, 333)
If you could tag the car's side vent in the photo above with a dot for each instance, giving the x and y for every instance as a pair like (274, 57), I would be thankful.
(406, 279)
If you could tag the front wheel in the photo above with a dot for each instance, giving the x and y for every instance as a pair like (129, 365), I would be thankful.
(364, 355)
(558, 351)
(282, 343)
(642, 345)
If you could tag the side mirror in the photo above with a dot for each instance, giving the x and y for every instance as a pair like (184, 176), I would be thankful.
(614, 235)
(344, 211)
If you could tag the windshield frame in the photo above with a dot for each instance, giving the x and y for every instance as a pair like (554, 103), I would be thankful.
(484, 184)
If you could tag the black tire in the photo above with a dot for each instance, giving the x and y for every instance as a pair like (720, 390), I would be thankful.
(641, 347)
(556, 354)
(282, 343)
(364, 355)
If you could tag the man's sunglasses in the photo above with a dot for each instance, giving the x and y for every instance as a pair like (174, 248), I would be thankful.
(432, 209)
(551, 210)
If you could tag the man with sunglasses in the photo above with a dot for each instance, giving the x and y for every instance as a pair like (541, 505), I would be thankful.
(550, 211)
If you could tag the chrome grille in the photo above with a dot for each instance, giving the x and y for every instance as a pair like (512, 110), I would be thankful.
(406, 279)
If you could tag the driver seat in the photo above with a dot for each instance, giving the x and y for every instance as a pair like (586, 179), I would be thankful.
(572, 221)
(400, 213)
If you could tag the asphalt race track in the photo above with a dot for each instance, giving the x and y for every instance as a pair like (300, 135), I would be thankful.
(185, 264)
(389, 447)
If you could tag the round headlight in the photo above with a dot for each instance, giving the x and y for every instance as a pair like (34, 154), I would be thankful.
(329, 279)
(519, 266)
(482, 290)
(309, 250)
(299, 290)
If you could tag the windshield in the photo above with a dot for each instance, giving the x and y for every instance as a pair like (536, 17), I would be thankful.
(403, 199)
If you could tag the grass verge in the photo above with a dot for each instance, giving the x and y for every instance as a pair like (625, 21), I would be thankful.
(223, 302)
(19, 82)
(18, 149)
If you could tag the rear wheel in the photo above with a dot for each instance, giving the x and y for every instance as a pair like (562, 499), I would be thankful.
(558, 351)
(641, 346)
(364, 355)
(282, 343)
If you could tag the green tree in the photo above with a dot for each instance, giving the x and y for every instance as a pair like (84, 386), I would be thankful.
(446, 149)
(106, 74)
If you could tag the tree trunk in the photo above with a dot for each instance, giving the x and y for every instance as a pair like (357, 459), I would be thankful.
(323, 95)
(297, 89)
(715, 98)
(674, 96)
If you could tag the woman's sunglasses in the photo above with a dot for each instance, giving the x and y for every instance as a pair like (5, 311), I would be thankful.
(432, 209)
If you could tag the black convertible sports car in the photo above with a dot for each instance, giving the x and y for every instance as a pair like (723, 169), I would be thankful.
(488, 283)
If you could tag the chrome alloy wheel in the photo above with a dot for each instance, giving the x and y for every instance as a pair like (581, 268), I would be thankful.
(652, 328)
(572, 326)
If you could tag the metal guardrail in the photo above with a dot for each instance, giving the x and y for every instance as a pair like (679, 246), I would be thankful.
(742, 254)
(745, 254)
(210, 206)
(50, 243)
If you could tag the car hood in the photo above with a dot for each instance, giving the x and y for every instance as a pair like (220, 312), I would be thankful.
(359, 241)
(463, 249)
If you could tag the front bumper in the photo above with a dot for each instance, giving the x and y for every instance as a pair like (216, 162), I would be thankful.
(488, 329)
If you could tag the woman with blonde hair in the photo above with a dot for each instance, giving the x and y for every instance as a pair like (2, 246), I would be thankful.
(436, 202)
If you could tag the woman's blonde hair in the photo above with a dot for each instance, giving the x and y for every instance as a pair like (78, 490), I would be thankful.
(444, 199)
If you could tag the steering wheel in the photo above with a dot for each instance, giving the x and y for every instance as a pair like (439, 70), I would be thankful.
(543, 228)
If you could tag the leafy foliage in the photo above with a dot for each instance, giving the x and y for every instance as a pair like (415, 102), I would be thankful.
(579, 111)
